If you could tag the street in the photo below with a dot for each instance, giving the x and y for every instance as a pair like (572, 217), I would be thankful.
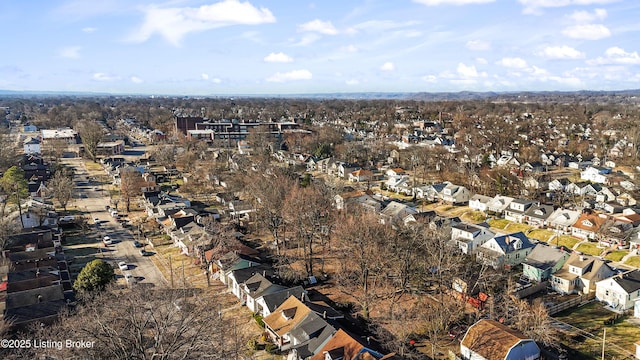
(92, 199)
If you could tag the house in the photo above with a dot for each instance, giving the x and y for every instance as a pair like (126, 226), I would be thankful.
(595, 174)
(429, 192)
(360, 176)
(505, 250)
(621, 291)
(308, 337)
(455, 194)
(31, 145)
(396, 212)
(542, 262)
(499, 204)
(479, 202)
(562, 220)
(255, 288)
(615, 233)
(469, 237)
(344, 169)
(489, 339)
(395, 172)
(583, 188)
(236, 279)
(343, 346)
(558, 185)
(361, 198)
(588, 224)
(397, 183)
(268, 303)
(579, 274)
(538, 215)
(110, 148)
(517, 208)
(508, 160)
(285, 318)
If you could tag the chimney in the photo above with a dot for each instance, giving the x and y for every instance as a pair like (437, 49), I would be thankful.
(581, 258)
(324, 315)
(264, 273)
(302, 297)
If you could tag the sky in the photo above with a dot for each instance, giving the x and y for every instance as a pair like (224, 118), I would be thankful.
(220, 47)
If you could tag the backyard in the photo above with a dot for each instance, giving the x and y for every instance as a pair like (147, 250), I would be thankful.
(589, 248)
(587, 324)
(541, 234)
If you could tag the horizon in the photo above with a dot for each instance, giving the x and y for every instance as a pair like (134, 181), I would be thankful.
(258, 48)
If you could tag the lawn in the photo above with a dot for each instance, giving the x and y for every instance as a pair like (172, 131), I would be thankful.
(633, 261)
(566, 241)
(616, 255)
(590, 318)
(589, 248)
(515, 227)
(541, 234)
(473, 216)
(498, 223)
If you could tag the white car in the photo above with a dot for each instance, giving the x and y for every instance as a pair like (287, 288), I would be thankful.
(123, 265)
(107, 240)
(130, 279)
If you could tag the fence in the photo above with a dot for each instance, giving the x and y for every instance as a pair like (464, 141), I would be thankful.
(554, 309)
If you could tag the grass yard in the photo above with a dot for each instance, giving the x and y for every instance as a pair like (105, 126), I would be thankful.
(616, 255)
(541, 234)
(515, 227)
(590, 318)
(566, 241)
(499, 223)
(633, 261)
(473, 216)
(589, 248)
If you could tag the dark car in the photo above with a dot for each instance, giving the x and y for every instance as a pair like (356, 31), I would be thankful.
(137, 243)
(143, 252)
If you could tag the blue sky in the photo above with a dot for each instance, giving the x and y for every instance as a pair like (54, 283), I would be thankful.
(290, 46)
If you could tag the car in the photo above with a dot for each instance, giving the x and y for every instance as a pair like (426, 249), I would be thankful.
(137, 244)
(107, 207)
(123, 266)
(130, 279)
(96, 220)
(144, 252)
(95, 188)
(107, 240)
(83, 196)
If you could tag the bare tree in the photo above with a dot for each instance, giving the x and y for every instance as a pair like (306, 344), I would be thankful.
(91, 133)
(62, 187)
(131, 183)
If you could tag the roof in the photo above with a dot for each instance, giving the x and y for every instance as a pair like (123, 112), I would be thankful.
(491, 339)
(588, 263)
(545, 257)
(34, 296)
(287, 316)
(594, 219)
(506, 242)
(34, 312)
(344, 346)
(275, 299)
(629, 281)
(312, 333)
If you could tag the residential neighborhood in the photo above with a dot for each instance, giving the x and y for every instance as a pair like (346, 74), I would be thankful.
(327, 237)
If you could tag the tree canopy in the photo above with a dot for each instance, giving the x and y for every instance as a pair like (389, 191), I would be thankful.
(94, 277)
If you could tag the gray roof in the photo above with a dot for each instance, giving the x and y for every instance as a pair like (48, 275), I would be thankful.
(629, 281)
(276, 299)
(34, 296)
(545, 257)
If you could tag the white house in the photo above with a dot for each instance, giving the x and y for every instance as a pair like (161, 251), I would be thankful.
(489, 339)
(31, 145)
(455, 194)
(620, 291)
(499, 204)
(594, 174)
(469, 237)
(479, 202)
(505, 250)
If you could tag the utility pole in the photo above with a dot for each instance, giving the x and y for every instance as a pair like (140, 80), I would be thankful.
(184, 280)
(171, 271)
(604, 336)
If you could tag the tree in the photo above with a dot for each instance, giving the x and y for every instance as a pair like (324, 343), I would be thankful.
(94, 276)
(62, 187)
(15, 186)
(8, 228)
(131, 183)
(91, 133)
(145, 324)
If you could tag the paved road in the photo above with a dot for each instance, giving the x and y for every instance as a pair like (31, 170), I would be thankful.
(93, 199)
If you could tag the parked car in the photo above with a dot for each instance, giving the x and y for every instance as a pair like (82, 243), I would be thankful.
(143, 252)
(130, 279)
(123, 265)
(107, 240)
(137, 244)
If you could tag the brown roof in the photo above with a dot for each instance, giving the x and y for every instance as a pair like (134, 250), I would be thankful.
(287, 316)
(595, 219)
(340, 344)
(491, 339)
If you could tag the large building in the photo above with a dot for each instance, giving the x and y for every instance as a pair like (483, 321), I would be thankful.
(225, 129)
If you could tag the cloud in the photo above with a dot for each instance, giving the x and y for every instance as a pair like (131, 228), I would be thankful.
(89, 29)
(204, 76)
(616, 56)
(478, 45)
(290, 76)
(307, 39)
(469, 71)
(587, 17)
(535, 7)
(587, 32)
(174, 23)
(430, 79)
(352, 82)
(318, 26)
(482, 61)
(388, 66)
(69, 52)
(104, 77)
(278, 57)
(513, 63)
(561, 52)
(451, 2)
(349, 49)
(216, 81)
(136, 80)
